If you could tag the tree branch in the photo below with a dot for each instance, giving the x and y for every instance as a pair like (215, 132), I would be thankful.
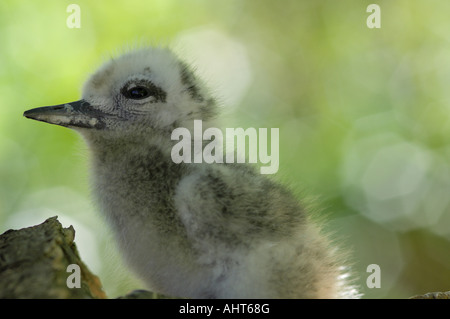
(34, 260)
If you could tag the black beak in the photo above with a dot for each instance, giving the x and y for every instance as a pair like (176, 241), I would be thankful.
(75, 114)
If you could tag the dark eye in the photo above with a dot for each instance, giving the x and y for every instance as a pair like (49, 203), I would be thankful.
(143, 89)
(137, 93)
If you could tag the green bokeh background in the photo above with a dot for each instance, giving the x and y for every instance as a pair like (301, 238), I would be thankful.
(364, 116)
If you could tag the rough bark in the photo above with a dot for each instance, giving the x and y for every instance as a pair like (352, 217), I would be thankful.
(34, 261)
(433, 295)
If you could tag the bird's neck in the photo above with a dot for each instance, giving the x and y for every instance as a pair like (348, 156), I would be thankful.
(134, 176)
(124, 150)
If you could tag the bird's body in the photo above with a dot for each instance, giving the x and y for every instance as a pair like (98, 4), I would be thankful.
(192, 230)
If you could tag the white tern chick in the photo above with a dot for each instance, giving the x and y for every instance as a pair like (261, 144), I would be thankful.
(190, 230)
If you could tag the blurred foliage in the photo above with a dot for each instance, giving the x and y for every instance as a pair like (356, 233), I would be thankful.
(363, 116)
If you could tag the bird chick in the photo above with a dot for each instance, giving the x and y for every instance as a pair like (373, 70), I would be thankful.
(193, 230)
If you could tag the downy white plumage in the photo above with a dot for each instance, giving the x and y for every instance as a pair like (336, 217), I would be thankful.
(190, 230)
